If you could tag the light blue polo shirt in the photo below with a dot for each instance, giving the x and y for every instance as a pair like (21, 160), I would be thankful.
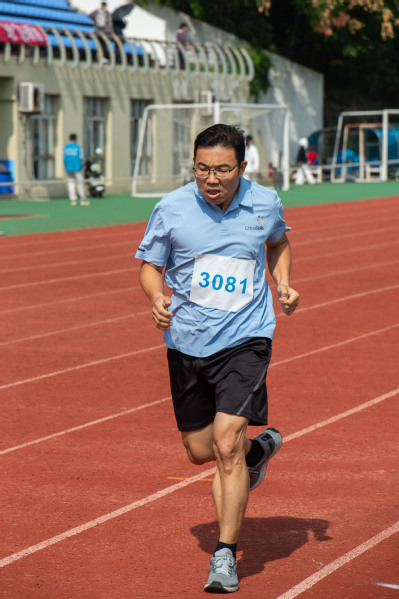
(188, 234)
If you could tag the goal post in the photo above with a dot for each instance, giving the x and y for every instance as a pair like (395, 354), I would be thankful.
(366, 146)
(164, 157)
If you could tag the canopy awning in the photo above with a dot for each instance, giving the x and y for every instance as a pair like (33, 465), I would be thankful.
(21, 33)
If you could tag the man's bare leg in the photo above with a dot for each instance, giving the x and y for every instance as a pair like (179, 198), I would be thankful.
(224, 441)
(231, 484)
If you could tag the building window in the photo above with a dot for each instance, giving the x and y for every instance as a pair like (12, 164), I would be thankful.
(94, 127)
(136, 117)
(43, 140)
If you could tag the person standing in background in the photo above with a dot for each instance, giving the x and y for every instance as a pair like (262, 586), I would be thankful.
(73, 162)
(252, 158)
(303, 171)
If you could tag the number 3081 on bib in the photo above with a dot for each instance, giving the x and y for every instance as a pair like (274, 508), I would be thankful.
(222, 282)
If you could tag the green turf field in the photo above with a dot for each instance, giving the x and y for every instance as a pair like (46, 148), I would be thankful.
(18, 217)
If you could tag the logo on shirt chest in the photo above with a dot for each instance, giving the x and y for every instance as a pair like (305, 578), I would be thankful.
(257, 227)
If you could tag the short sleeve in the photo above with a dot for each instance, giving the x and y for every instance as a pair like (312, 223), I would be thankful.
(280, 226)
(155, 247)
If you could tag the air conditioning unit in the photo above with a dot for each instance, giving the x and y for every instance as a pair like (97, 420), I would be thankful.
(31, 97)
(206, 97)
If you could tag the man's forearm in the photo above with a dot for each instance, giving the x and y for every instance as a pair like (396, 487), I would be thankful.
(279, 260)
(151, 281)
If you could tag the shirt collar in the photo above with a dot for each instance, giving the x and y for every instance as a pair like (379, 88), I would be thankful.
(242, 198)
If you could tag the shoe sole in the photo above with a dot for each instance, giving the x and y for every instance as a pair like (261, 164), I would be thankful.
(217, 587)
(278, 441)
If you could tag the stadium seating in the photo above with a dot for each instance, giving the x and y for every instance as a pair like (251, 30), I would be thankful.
(56, 14)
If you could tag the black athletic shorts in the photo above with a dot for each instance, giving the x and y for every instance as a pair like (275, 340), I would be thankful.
(232, 380)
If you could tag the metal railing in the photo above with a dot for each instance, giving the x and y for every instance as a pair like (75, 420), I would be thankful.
(110, 52)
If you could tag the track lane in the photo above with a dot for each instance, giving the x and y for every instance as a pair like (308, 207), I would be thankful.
(125, 564)
(289, 538)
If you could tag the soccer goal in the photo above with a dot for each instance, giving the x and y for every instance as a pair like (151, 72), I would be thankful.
(366, 146)
(165, 148)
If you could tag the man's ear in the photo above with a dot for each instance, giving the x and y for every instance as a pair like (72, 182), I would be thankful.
(243, 166)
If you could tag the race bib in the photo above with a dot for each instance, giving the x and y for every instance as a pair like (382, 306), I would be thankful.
(221, 282)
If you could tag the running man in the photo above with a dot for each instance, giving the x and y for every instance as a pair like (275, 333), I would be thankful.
(210, 237)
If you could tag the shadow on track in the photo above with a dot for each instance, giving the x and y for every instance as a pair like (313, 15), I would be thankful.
(264, 540)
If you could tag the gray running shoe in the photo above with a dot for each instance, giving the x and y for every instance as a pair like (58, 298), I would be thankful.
(223, 576)
(271, 441)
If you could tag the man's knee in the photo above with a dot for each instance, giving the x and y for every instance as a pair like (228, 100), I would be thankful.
(229, 450)
(197, 457)
(198, 447)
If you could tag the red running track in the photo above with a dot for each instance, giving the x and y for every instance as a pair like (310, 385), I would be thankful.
(99, 498)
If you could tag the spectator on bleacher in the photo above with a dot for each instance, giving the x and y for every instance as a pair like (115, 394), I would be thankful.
(73, 162)
(181, 39)
(103, 19)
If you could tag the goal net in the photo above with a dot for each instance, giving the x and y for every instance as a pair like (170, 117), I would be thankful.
(164, 158)
(366, 146)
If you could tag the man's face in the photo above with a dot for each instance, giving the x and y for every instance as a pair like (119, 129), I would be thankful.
(218, 191)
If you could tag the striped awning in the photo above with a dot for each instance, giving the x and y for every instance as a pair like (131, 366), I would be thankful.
(21, 33)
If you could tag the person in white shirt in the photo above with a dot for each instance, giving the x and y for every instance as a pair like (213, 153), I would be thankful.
(103, 19)
(252, 158)
(303, 171)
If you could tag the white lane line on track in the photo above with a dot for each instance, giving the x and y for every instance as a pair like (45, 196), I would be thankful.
(346, 236)
(74, 278)
(346, 251)
(359, 408)
(345, 299)
(387, 585)
(345, 210)
(155, 347)
(133, 315)
(125, 289)
(334, 345)
(131, 242)
(81, 262)
(77, 328)
(79, 427)
(71, 237)
(339, 562)
(82, 248)
(273, 364)
(184, 483)
(322, 216)
(389, 218)
(337, 273)
(70, 299)
(81, 366)
(133, 268)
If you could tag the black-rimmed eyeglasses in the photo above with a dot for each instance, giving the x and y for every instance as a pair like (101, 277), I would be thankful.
(202, 172)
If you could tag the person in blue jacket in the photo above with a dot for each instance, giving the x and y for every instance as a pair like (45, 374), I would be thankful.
(73, 162)
(211, 236)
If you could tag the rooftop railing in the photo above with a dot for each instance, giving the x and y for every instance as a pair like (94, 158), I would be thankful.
(72, 47)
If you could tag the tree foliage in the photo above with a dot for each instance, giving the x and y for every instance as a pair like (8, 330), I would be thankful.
(354, 43)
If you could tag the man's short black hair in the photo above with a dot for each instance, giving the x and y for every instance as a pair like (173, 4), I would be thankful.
(183, 25)
(227, 136)
(249, 138)
(73, 137)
